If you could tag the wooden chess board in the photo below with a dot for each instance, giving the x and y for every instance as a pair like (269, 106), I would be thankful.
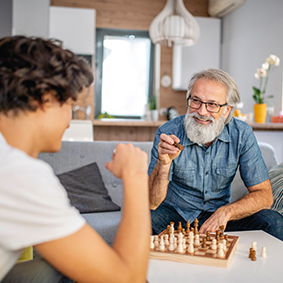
(204, 256)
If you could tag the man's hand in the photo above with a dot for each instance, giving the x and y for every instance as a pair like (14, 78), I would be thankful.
(166, 149)
(218, 218)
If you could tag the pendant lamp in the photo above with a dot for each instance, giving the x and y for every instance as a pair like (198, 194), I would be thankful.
(174, 24)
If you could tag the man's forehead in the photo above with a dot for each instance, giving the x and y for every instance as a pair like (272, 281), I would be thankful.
(209, 89)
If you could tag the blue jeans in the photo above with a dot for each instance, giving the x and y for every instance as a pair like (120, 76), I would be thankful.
(267, 220)
(34, 271)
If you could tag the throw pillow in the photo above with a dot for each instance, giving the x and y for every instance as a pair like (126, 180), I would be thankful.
(86, 189)
(276, 180)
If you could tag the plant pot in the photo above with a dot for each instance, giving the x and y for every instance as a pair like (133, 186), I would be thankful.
(260, 113)
(154, 115)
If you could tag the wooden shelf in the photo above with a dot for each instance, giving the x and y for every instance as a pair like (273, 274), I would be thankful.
(129, 123)
(267, 127)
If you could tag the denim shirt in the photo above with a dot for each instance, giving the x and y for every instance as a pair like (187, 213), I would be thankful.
(200, 177)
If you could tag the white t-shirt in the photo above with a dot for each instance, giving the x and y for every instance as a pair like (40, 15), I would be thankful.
(34, 207)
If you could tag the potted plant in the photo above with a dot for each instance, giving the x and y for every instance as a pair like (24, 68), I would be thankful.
(259, 93)
(153, 108)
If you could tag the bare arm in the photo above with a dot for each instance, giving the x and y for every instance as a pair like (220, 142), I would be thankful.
(259, 197)
(158, 179)
(85, 257)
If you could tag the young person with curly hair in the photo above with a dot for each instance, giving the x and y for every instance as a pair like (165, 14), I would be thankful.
(39, 80)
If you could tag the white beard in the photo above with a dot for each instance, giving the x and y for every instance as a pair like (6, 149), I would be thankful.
(203, 134)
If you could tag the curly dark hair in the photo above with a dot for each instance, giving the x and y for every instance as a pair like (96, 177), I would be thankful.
(29, 67)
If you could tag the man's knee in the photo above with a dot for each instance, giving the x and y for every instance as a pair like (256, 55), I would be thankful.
(271, 222)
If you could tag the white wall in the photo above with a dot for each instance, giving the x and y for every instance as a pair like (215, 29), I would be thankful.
(250, 34)
(30, 17)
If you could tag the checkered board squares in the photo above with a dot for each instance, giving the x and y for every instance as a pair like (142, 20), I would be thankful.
(203, 256)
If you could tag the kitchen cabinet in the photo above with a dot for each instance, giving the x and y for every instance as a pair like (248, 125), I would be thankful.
(75, 27)
(204, 54)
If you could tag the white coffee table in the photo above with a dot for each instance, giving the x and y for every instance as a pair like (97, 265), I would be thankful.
(241, 269)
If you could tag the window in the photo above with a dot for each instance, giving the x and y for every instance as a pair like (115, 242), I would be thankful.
(124, 73)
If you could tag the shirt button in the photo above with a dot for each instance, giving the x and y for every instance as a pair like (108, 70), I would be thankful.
(206, 173)
(207, 153)
(205, 192)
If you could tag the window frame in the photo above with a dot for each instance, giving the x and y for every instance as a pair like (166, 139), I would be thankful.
(100, 33)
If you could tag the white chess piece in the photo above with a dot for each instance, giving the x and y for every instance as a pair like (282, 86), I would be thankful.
(213, 245)
(156, 242)
(175, 242)
(263, 252)
(151, 242)
(166, 240)
(220, 250)
(180, 247)
(184, 243)
(161, 244)
(224, 245)
(171, 243)
(191, 248)
(197, 242)
(172, 228)
(254, 246)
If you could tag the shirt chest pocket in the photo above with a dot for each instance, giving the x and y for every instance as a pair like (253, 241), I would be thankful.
(184, 176)
(225, 175)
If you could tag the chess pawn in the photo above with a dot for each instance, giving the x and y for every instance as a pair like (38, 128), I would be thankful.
(166, 240)
(224, 245)
(220, 250)
(204, 244)
(151, 242)
(251, 252)
(191, 236)
(213, 245)
(191, 248)
(156, 242)
(161, 244)
(197, 242)
(184, 243)
(175, 242)
(254, 245)
(180, 243)
(208, 236)
(263, 252)
(168, 229)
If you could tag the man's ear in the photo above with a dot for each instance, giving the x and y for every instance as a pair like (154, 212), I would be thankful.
(227, 112)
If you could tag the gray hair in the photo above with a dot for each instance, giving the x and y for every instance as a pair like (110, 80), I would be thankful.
(216, 75)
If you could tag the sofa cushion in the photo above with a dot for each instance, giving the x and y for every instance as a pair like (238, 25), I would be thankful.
(276, 180)
(86, 189)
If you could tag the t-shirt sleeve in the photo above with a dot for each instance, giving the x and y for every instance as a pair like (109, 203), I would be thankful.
(34, 207)
(253, 169)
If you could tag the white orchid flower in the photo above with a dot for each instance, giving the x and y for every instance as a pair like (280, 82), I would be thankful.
(261, 72)
(256, 75)
(265, 66)
(273, 60)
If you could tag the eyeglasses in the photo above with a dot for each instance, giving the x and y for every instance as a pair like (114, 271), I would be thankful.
(210, 106)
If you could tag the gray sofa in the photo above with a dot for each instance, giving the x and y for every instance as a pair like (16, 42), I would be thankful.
(77, 154)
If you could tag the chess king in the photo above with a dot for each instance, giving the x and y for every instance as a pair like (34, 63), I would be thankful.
(196, 182)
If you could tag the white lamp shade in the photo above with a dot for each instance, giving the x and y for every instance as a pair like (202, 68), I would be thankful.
(174, 27)
(174, 24)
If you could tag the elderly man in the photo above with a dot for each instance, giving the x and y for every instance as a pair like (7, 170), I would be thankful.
(196, 182)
